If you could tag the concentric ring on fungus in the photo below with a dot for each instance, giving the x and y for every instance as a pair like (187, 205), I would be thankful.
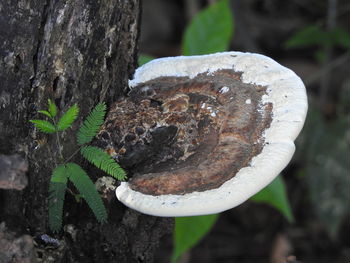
(233, 116)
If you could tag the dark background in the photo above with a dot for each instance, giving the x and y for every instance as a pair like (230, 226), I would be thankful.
(318, 178)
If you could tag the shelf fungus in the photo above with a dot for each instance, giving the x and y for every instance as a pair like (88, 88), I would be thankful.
(207, 131)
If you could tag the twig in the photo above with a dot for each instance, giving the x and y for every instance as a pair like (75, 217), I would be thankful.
(73, 154)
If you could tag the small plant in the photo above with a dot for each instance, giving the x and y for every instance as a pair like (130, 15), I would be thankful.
(71, 171)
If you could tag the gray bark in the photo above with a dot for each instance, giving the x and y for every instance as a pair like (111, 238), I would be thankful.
(12, 172)
(72, 52)
(15, 249)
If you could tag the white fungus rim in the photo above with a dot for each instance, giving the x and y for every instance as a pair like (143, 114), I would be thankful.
(285, 91)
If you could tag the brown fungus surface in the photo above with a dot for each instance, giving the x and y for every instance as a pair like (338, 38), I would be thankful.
(178, 135)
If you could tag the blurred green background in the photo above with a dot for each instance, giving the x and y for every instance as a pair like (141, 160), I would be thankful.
(303, 215)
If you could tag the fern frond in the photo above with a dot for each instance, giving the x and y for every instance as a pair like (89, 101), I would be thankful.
(44, 126)
(52, 108)
(103, 161)
(57, 190)
(92, 124)
(88, 190)
(68, 118)
(45, 112)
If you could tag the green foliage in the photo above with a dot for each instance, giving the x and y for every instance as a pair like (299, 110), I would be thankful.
(72, 171)
(341, 37)
(87, 190)
(44, 126)
(64, 122)
(85, 186)
(68, 118)
(45, 112)
(210, 30)
(189, 231)
(275, 195)
(309, 36)
(103, 161)
(316, 36)
(92, 124)
(52, 108)
(57, 190)
(143, 59)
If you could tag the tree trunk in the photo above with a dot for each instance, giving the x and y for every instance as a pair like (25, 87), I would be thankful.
(71, 52)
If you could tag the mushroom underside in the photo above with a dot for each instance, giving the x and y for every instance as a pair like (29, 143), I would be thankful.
(188, 134)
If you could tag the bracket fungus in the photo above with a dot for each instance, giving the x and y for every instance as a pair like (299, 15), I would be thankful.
(228, 121)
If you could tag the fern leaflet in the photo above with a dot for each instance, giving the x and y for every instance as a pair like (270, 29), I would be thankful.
(52, 108)
(57, 190)
(103, 161)
(92, 124)
(44, 126)
(68, 118)
(88, 190)
(45, 112)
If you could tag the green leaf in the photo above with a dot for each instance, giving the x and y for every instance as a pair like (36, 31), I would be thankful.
(308, 36)
(92, 124)
(57, 190)
(275, 195)
(44, 126)
(45, 113)
(320, 55)
(189, 231)
(78, 198)
(103, 161)
(315, 36)
(68, 118)
(143, 59)
(87, 190)
(52, 108)
(341, 37)
(210, 30)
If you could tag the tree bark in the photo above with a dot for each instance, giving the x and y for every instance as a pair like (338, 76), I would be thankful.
(71, 52)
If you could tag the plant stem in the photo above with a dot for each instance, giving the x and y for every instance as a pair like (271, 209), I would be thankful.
(73, 154)
(70, 191)
(51, 156)
(58, 142)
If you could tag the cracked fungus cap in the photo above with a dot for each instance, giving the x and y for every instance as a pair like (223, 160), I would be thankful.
(236, 116)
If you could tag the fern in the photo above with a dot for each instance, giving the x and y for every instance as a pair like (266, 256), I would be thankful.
(103, 161)
(52, 108)
(88, 190)
(68, 118)
(45, 112)
(71, 171)
(44, 126)
(57, 192)
(92, 124)
(51, 112)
